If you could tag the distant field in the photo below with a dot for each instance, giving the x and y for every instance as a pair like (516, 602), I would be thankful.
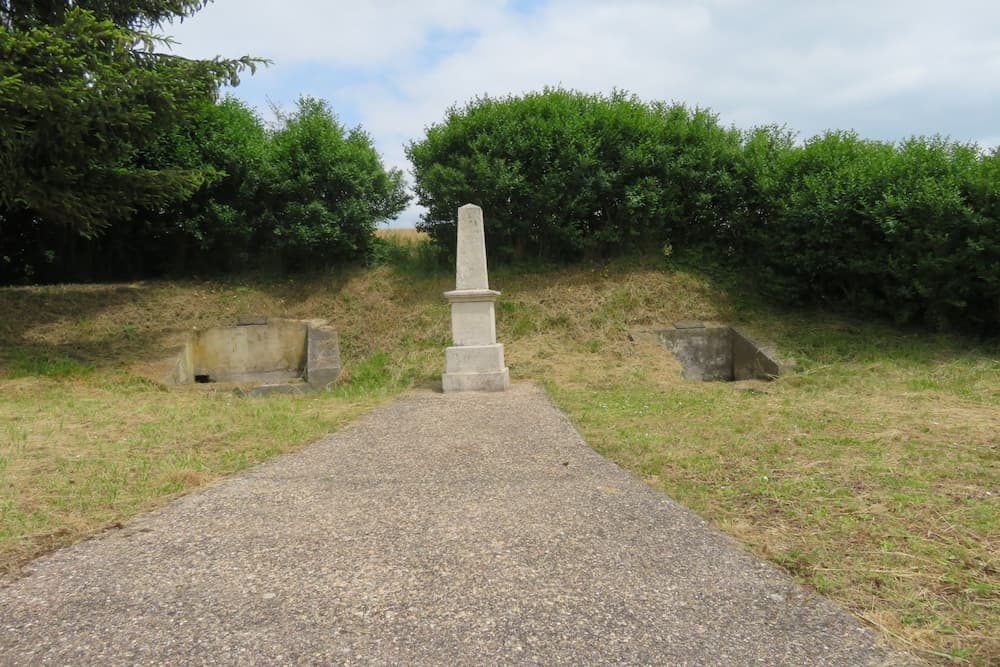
(872, 474)
(403, 234)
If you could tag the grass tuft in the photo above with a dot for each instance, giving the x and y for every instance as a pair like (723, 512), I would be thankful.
(26, 362)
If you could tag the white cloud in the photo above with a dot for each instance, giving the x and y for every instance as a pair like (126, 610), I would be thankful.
(889, 69)
(368, 35)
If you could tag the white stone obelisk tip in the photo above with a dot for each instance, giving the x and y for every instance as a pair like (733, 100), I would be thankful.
(470, 269)
(475, 361)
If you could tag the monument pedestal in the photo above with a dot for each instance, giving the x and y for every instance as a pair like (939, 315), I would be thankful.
(474, 362)
(478, 381)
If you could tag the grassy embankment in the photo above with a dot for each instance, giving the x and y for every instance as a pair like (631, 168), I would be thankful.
(872, 473)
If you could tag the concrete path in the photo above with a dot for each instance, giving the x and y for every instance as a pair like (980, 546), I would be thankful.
(459, 529)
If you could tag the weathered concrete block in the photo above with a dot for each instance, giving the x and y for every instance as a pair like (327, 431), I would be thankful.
(272, 352)
(184, 368)
(265, 354)
(474, 359)
(705, 354)
(473, 322)
(493, 381)
(322, 356)
(752, 361)
(720, 354)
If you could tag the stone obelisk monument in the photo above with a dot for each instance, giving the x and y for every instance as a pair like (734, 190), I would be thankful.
(474, 362)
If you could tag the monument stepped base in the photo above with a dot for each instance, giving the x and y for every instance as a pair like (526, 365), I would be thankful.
(489, 381)
(475, 368)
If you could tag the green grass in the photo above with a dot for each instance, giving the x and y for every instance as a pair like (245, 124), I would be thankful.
(82, 455)
(25, 362)
(872, 473)
(863, 479)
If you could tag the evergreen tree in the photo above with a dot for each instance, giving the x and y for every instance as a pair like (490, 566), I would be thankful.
(83, 90)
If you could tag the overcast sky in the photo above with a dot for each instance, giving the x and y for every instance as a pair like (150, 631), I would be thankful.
(887, 69)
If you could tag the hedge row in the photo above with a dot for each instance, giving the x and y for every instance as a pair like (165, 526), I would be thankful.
(565, 175)
(908, 230)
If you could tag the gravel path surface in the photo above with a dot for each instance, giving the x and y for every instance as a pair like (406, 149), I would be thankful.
(441, 529)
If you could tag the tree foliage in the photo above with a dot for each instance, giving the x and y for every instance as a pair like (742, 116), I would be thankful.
(135, 14)
(326, 188)
(217, 227)
(82, 91)
(565, 174)
(909, 230)
(306, 193)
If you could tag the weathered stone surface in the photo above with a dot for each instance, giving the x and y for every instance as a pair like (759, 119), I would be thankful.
(269, 354)
(251, 320)
(322, 356)
(705, 354)
(477, 381)
(752, 361)
(470, 265)
(246, 353)
(183, 372)
(720, 354)
(475, 361)
(474, 322)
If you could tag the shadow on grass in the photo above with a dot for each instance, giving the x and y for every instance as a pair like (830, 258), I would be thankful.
(815, 335)
(60, 331)
(69, 308)
(26, 308)
(67, 330)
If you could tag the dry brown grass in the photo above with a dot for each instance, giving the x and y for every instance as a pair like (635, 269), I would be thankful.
(402, 234)
(865, 481)
(872, 474)
(84, 452)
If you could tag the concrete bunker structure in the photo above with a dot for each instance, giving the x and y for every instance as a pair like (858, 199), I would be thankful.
(719, 353)
(287, 356)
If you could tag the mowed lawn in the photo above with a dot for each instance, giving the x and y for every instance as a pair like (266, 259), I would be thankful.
(872, 473)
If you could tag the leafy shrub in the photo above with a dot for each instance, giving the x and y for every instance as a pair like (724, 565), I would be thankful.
(814, 236)
(907, 230)
(939, 214)
(418, 257)
(326, 188)
(306, 194)
(562, 174)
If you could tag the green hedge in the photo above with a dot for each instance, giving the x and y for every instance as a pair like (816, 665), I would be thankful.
(326, 189)
(907, 230)
(564, 175)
